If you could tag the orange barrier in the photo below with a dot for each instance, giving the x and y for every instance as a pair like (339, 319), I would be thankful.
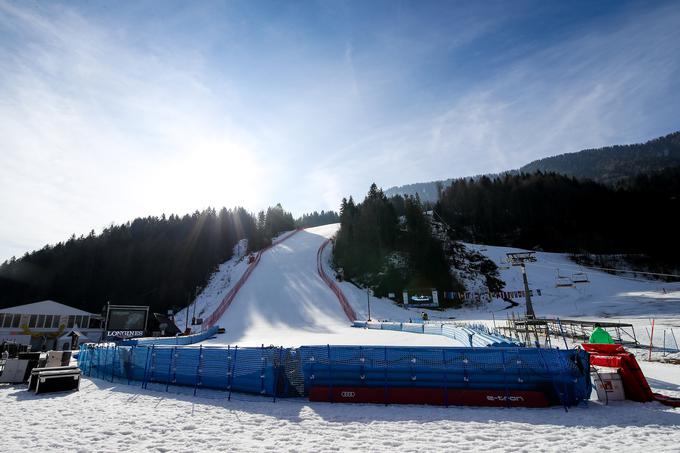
(634, 382)
(346, 307)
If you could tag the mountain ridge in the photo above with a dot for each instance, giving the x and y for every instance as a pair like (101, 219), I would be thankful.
(608, 165)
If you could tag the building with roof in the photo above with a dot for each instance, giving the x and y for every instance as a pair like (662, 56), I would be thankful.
(47, 323)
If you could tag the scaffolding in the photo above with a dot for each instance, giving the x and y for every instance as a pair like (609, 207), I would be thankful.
(547, 330)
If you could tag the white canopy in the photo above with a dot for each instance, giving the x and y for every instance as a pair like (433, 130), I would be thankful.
(45, 307)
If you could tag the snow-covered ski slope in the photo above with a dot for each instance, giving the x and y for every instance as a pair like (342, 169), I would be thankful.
(286, 303)
(603, 296)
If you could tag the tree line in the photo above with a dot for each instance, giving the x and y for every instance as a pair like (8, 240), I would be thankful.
(387, 244)
(157, 261)
(552, 212)
(317, 219)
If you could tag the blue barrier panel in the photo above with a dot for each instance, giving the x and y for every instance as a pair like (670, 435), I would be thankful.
(475, 335)
(563, 375)
(254, 370)
(178, 340)
(432, 328)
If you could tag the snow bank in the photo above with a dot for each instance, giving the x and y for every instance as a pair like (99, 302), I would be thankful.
(113, 417)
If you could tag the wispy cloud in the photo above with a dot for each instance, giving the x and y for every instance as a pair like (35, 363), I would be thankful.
(95, 131)
(599, 87)
(107, 115)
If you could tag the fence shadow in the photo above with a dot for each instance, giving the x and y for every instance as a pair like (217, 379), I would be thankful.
(593, 415)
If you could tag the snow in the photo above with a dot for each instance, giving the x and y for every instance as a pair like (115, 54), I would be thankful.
(218, 286)
(613, 298)
(117, 417)
(286, 303)
(605, 296)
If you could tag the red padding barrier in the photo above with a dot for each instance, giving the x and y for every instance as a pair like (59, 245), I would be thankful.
(346, 307)
(229, 298)
(634, 382)
(432, 396)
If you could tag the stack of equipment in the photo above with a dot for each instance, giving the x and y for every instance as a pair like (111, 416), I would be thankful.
(55, 379)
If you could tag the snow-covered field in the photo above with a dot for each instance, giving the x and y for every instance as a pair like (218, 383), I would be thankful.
(286, 303)
(115, 417)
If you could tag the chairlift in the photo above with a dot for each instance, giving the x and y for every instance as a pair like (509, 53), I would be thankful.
(580, 277)
(562, 281)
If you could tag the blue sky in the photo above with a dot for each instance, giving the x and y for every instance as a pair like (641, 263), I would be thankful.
(113, 110)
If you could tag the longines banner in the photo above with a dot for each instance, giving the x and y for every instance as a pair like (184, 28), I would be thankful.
(125, 333)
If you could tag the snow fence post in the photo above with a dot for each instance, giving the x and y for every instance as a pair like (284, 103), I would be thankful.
(198, 368)
(262, 371)
(233, 368)
(676, 341)
(664, 342)
(330, 373)
(505, 380)
(446, 380)
(559, 323)
(113, 362)
(132, 363)
(385, 375)
(362, 361)
(651, 342)
(277, 374)
(228, 367)
(89, 371)
(106, 358)
(146, 367)
(172, 356)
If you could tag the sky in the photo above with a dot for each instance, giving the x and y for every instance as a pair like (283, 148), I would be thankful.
(116, 110)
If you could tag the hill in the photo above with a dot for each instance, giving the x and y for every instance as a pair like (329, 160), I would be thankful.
(156, 261)
(611, 164)
(607, 165)
(552, 212)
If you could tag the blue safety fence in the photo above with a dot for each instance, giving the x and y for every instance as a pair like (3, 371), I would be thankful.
(249, 370)
(178, 340)
(473, 336)
(562, 375)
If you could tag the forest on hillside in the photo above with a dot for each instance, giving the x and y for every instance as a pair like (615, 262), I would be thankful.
(552, 212)
(158, 261)
(315, 218)
(387, 244)
(612, 164)
(608, 165)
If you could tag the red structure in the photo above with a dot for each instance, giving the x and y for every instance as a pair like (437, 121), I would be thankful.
(253, 261)
(346, 307)
(634, 382)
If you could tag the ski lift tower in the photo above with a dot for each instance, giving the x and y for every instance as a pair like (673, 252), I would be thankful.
(518, 259)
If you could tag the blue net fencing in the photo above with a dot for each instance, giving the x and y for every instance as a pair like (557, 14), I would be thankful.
(249, 370)
(563, 375)
(468, 335)
(179, 340)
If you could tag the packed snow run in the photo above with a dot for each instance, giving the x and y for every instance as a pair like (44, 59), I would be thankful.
(286, 303)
